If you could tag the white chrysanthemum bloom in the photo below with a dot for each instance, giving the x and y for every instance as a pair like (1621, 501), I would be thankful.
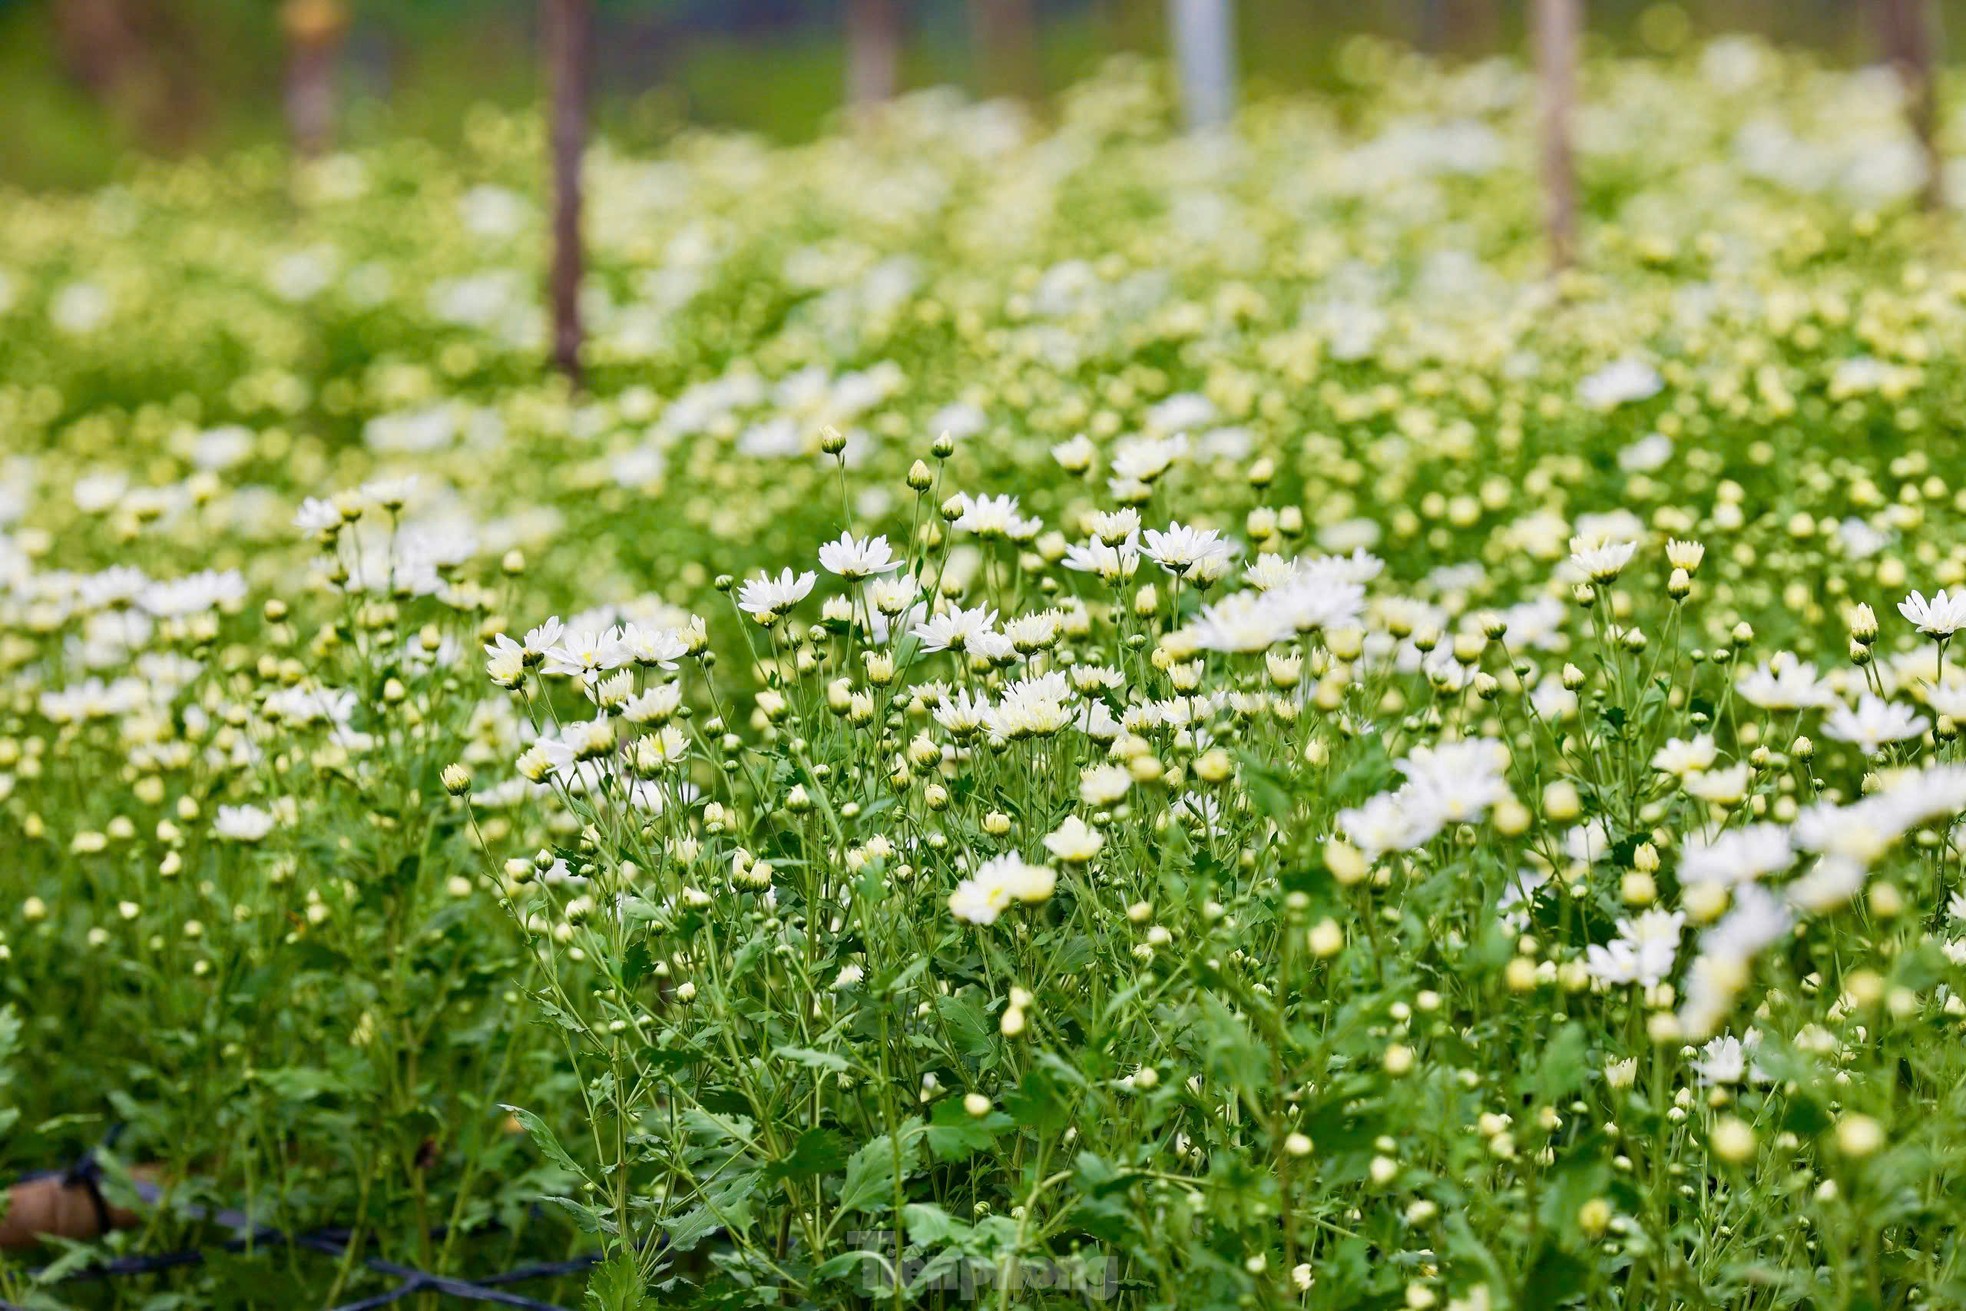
(1736, 856)
(1032, 707)
(990, 645)
(1243, 622)
(1685, 555)
(1211, 569)
(858, 557)
(1145, 459)
(891, 596)
(996, 883)
(1588, 842)
(1113, 527)
(242, 823)
(1831, 882)
(1111, 563)
(994, 516)
(505, 661)
(1075, 842)
(1457, 781)
(1316, 601)
(1032, 632)
(657, 752)
(1090, 678)
(765, 598)
(1942, 616)
(1873, 723)
(1182, 548)
(1679, 757)
(1102, 785)
(194, 594)
(1023, 880)
(977, 902)
(1783, 683)
(965, 714)
(589, 738)
(535, 764)
(1552, 700)
(656, 705)
(1724, 787)
(1724, 1061)
(1643, 952)
(544, 638)
(1076, 455)
(1727, 952)
(1602, 561)
(1948, 699)
(1385, 823)
(650, 647)
(318, 516)
(612, 693)
(1270, 570)
(1648, 454)
(1620, 382)
(953, 627)
(390, 494)
(585, 652)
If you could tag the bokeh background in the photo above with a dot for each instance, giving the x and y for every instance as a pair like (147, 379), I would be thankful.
(85, 84)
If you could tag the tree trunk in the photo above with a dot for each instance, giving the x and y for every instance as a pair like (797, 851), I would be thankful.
(1203, 33)
(1908, 31)
(140, 60)
(1005, 36)
(1470, 27)
(569, 51)
(1557, 23)
(873, 51)
(314, 30)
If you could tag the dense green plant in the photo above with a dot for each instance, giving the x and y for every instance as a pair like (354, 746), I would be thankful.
(1312, 765)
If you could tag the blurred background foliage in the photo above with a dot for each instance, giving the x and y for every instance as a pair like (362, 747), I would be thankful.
(89, 82)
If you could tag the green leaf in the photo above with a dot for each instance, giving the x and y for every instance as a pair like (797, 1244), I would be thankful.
(690, 1228)
(616, 1285)
(953, 1133)
(817, 1060)
(1561, 1071)
(296, 1084)
(969, 1028)
(928, 1225)
(1554, 1278)
(870, 1171)
(817, 1152)
(847, 1262)
(1234, 1055)
(1805, 1117)
(1039, 1102)
(543, 1138)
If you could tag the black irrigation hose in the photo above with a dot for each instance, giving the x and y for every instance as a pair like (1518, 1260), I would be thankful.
(87, 1173)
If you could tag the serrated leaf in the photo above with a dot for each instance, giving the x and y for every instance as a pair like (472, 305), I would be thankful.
(1561, 1069)
(870, 1171)
(928, 1225)
(1039, 1102)
(817, 1152)
(832, 1062)
(616, 1285)
(954, 1133)
(544, 1139)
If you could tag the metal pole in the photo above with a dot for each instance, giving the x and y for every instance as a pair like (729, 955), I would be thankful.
(1204, 38)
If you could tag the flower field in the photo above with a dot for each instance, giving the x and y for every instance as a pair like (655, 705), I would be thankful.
(1069, 713)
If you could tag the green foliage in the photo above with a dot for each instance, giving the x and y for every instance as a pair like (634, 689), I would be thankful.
(1427, 876)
